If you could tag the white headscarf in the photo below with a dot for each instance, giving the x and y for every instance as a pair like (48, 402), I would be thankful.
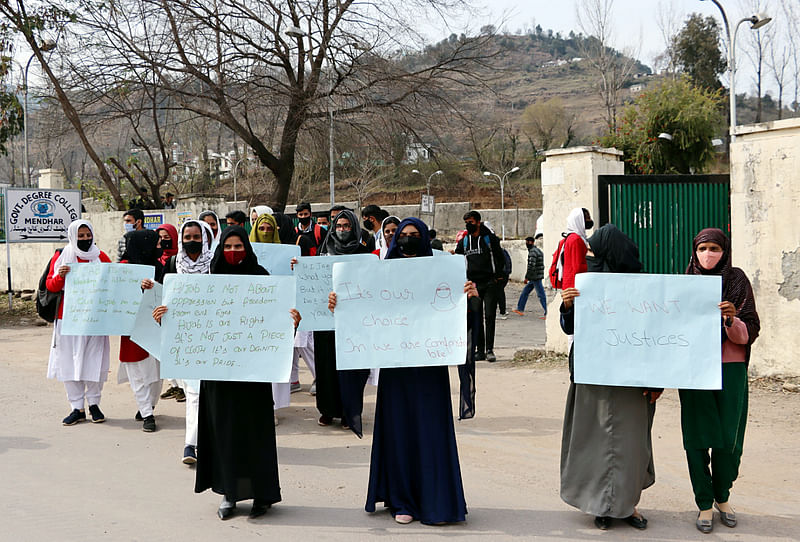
(183, 263)
(219, 227)
(382, 241)
(576, 223)
(71, 253)
(262, 210)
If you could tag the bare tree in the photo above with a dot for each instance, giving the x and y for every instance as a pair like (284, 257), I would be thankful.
(757, 44)
(548, 124)
(233, 61)
(612, 68)
(778, 63)
(668, 19)
(791, 11)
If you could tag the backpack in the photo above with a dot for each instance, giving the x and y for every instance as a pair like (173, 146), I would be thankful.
(47, 301)
(507, 268)
(555, 281)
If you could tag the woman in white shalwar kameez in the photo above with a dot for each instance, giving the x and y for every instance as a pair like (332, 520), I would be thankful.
(80, 362)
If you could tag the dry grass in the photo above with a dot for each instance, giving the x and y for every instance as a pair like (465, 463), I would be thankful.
(544, 359)
(22, 313)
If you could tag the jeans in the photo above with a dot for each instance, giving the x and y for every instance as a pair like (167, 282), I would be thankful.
(526, 291)
(489, 294)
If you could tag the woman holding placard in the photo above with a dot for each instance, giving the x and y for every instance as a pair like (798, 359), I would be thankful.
(606, 446)
(80, 362)
(238, 454)
(414, 467)
(339, 393)
(193, 256)
(715, 420)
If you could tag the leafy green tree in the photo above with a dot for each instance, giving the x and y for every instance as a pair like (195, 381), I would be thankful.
(688, 113)
(697, 53)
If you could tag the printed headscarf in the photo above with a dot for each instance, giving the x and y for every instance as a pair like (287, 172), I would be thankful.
(202, 265)
(257, 236)
(736, 287)
(71, 253)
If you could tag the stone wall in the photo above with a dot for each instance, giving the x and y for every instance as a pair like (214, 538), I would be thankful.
(765, 200)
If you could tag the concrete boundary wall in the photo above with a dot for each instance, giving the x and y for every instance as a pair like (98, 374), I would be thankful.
(765, 199)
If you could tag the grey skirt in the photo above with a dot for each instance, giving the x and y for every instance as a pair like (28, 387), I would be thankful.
(606, 450)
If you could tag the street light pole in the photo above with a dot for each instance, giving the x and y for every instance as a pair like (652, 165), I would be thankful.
(502, 195)
(756, 21)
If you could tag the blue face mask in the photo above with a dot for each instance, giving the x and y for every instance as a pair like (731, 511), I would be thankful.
(128, 227)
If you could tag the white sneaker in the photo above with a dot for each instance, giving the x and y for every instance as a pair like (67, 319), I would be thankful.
(313, 389)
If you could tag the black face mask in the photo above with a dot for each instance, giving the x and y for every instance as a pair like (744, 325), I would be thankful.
(305, 221)
(529, 245)
(344, 236)
(368, 224)
(193, 247)
(166, 244)
(589, 224)
(85, 244)
(409, 246)
(471, 227)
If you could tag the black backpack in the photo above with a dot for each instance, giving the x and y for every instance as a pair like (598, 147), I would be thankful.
(47, 301)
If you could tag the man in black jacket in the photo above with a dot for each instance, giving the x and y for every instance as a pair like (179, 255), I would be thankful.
(533, 277)
(485, 263)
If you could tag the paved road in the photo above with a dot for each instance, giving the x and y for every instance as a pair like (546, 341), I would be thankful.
(114, 482)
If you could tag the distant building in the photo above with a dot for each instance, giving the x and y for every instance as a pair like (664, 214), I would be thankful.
(636, 89)
(418, 152)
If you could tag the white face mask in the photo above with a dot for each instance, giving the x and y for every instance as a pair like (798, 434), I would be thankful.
(129, 227)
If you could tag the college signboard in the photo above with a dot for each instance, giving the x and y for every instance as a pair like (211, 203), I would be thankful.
(40, 215)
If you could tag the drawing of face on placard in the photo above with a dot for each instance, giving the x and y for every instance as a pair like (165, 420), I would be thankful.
(443, 298)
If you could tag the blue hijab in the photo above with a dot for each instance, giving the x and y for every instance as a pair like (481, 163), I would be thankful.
(425, 245)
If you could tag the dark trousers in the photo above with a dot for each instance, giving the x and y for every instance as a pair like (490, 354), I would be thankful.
(501, 296)
(489, 293)
(710, 487)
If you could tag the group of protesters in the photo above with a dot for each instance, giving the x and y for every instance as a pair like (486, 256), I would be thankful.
(606, 457)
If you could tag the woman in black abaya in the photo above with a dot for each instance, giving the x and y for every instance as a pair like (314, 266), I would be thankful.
(236, 432)
(414, 468)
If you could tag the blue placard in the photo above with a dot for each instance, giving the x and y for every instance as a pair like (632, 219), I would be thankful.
(656, 331)
(228, 327)
(400, 313)
(314, 282)
(146, 332)
(103, 298)
(276, 258)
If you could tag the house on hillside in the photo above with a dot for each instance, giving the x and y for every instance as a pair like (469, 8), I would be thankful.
(418, 152)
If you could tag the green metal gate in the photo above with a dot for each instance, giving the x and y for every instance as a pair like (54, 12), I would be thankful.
(663, 213)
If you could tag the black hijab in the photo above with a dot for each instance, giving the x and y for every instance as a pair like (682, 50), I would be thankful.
(286, 230)
(735, 285)
(614, 252)
(141, 247)
(425, 239)
(352, 244)
(248, 266)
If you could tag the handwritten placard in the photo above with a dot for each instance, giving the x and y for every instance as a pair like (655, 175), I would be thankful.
(228, 327)
(314, 282)
(103, 298)
(400, 313)
(146, 332)
(658, 331)
(276, 258)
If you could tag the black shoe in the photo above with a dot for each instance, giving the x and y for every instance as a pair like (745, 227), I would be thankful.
(170, 393)
(149, 424)
(97, 416)
(138, 416)
(637, 523)
(226, 509)
(180, 396)
(324, 421)
(189, 455)
(480, 356)
(74, 417)
(602, 522)
(259, 508)
(490, 357)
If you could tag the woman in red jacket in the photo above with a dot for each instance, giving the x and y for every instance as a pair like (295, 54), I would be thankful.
(80, 362)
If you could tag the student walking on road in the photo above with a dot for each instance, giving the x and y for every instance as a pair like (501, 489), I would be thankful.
(533, 277)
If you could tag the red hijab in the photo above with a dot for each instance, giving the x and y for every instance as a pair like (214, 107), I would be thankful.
(173, 234)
